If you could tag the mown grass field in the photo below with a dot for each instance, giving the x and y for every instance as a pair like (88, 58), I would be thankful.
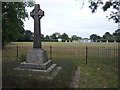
(100, 72)
(66, 44)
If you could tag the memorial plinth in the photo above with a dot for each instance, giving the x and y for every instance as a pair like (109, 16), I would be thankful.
(37, 56)
(37, 59)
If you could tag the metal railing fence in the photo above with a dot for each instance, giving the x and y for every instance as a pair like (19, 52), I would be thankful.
(97, 56)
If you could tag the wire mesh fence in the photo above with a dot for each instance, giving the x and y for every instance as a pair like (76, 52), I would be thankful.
(98, 56)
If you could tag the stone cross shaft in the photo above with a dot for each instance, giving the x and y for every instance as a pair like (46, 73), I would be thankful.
(37, 14)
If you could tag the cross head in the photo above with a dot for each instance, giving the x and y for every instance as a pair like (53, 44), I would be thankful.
(37, 12)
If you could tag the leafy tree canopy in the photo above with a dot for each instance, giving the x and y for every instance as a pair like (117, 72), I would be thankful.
(94, 37)
(13, 14)
(94, 4)
(47, 37)
(42, 36)
(65, 36)
(53, 36)
(57, 34)
(107, 35)
(28, 35)
(75, 37)
(117, 34)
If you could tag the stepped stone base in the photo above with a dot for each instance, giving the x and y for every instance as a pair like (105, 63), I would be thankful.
(43, 66)
(37, 62)
(49, 72)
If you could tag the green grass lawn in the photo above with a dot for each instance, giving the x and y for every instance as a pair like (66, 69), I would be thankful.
(97, 77)
(100, 72)
(67, 44)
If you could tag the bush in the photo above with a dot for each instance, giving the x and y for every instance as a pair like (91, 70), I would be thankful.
(23, 57)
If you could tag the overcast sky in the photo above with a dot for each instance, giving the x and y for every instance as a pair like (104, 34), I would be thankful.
(66, 16)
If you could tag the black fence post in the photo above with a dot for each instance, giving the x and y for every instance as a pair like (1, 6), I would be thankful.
(86, 54)
(50, 52)
(17, 52)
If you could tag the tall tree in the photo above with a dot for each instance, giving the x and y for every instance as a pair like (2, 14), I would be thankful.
(28, 35)
(75, 37)
(94, 37)
(107, 36)
(57, 34)
(53, 36)
(117, 34)
(47, 37)
(13, 14)
(42, 36)
(64, 36)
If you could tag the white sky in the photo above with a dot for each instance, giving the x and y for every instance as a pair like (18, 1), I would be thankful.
(66, 16)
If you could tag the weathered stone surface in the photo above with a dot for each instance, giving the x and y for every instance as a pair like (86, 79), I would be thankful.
(43, 66)
(37, 56)
(37, 14)
(50, 72)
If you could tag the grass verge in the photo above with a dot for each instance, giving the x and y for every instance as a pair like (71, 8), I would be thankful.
(95, 77)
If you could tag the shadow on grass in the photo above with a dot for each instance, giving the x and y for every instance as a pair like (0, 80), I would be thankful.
(22, 79)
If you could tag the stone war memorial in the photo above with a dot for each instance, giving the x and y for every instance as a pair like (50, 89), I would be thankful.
(37, 60)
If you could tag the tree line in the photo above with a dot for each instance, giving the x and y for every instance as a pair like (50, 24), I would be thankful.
(115, 36)
(28, 36)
